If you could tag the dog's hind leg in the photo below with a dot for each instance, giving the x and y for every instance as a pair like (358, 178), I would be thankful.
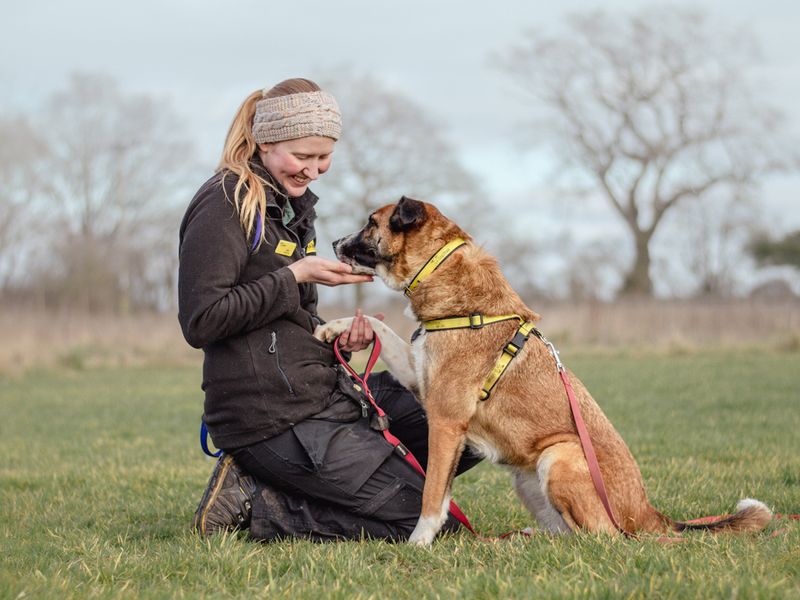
(568, 485)
(532, 489)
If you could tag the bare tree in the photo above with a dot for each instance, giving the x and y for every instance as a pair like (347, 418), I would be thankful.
(521, 258)
(390, 147)
(655, 109)
(710, 240)
(20, 150)
(594, 269)
(115, 173)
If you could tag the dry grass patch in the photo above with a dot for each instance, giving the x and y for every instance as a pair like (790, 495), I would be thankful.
(37, 339)
(77, 341)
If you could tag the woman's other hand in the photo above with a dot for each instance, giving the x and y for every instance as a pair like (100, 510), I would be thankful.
(315, 269)
(360, 334)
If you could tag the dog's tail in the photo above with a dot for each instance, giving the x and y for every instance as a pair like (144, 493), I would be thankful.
(750, 516)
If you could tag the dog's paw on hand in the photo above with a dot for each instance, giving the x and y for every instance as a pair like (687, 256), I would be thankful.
(332, 329)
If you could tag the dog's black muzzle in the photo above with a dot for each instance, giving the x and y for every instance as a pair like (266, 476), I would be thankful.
(355, 251)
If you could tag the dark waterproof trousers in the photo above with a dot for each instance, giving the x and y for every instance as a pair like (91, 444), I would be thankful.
(334, 479)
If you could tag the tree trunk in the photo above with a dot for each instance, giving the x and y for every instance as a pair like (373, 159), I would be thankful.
(637, 281)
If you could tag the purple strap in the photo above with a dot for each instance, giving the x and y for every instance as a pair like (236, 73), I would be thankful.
(204, 441)
(257, 236)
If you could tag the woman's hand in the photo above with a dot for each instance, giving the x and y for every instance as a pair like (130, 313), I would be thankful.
(360, 334)
(315, 269)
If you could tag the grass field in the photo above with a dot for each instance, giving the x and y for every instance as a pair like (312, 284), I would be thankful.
(101, 472)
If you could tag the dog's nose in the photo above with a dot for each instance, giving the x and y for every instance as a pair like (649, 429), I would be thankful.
(336, 243)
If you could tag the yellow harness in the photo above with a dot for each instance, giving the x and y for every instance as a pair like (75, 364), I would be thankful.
(510, 350)
(474, 321)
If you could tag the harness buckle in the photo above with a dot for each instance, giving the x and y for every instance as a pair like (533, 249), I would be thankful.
(473, 324)
(515, 345)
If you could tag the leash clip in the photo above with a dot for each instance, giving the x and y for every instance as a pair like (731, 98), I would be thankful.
(554, 352)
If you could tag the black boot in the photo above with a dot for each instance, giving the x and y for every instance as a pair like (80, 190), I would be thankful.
(227, 503)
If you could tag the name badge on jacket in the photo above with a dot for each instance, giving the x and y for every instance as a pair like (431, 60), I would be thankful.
(285, 248)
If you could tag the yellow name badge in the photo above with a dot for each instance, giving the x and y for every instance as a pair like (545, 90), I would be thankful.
(312, 247)
(285, 248)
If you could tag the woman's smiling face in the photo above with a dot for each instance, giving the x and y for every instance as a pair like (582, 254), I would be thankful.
(296, 163)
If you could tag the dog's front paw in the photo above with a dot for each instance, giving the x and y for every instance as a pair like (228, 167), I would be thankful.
(423, 533)
(332, 329)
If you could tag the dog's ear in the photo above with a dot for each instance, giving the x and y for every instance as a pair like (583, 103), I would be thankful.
(408, 214)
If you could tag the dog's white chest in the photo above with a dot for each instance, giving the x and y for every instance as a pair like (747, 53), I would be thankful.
(484, 447)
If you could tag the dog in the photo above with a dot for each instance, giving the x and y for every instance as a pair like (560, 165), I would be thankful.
(525, 423)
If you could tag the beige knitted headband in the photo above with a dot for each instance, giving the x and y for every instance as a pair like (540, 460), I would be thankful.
(297, 116)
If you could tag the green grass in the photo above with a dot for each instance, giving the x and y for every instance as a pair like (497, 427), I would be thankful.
(101, 472)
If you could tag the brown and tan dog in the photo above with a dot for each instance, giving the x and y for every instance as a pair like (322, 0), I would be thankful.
(526, 423)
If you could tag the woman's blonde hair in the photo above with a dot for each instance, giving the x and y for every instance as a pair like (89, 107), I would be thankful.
(249, 195)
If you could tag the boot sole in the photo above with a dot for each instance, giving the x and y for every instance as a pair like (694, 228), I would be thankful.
(200, 522)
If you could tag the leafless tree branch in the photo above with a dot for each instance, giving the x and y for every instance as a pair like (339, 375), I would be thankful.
(655, 107)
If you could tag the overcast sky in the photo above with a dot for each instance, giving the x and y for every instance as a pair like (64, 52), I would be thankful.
(206, 56)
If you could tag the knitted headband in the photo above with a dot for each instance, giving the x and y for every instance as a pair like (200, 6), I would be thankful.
(297, 116)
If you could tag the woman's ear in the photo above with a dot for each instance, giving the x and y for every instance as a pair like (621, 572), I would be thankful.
(264, 147)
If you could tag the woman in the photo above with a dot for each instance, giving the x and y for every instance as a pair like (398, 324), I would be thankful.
(300, 458)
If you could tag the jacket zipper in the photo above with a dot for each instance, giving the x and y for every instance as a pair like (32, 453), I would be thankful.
(296, 237)
(273, 349)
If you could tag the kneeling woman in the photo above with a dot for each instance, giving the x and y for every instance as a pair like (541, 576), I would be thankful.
(300, 458)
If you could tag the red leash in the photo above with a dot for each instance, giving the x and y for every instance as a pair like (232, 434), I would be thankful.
(383, 419)
(586, 442)
(588, 449)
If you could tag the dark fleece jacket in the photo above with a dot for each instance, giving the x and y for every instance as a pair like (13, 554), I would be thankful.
(263, 370)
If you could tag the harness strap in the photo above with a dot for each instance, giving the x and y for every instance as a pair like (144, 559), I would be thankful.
(474, 321)
(433, 262)
(383, 419)
(510, 352)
